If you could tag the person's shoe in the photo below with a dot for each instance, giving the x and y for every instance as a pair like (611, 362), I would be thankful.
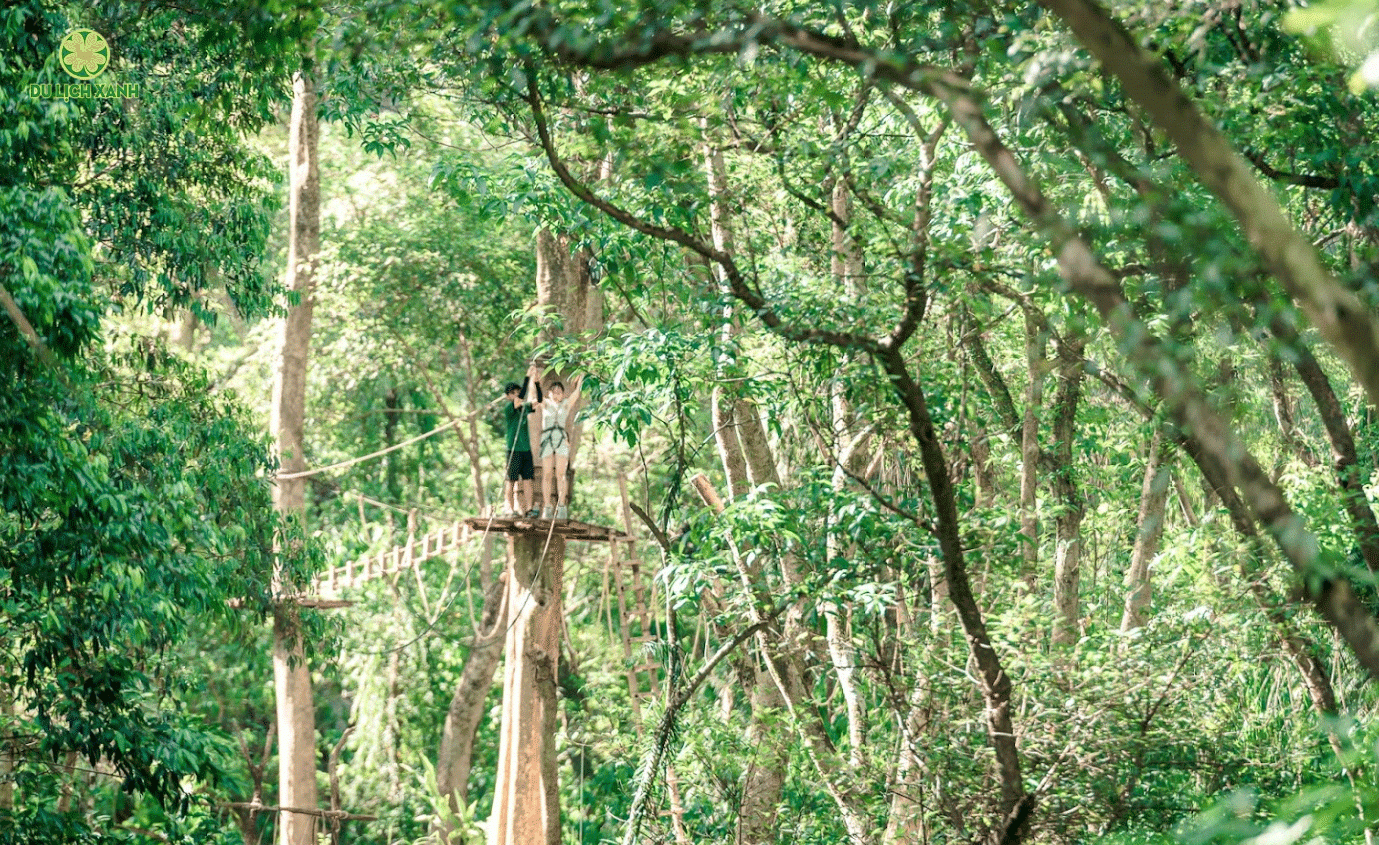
(562, 512)
(513, 514)
(534, 513)
(547, 512)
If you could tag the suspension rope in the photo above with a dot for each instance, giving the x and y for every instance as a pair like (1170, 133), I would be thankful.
(380, 453)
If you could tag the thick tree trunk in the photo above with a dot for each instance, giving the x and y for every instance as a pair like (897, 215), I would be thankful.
(466, 711)
(526, 804)
(565, 287)
(526, 799)
(296, 712)
(1153, 503)
(764, 782)
(1067, 572)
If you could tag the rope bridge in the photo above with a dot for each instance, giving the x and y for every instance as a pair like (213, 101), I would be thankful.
(409, 555)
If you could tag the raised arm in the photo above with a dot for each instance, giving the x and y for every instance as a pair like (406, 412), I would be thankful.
(532, 384)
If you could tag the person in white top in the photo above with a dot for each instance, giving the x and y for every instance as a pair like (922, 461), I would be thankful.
(556, 410)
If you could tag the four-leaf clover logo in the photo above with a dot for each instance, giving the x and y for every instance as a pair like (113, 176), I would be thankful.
(84, 54)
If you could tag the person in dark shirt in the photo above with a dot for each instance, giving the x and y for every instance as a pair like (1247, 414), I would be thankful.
(517, 489)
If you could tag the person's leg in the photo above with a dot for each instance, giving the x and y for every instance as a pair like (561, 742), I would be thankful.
(562, 501)
(510, 478)
(547, 483)
(562, 462)
(524, 484)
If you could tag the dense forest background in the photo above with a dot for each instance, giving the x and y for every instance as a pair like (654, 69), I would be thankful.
(988, 390)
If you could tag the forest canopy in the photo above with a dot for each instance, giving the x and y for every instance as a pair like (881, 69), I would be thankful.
(971, 433)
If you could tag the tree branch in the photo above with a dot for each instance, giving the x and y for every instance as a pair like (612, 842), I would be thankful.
(1180, 390)
(1329, 183)
(26, 329)
(1340, 316)
(736, 280)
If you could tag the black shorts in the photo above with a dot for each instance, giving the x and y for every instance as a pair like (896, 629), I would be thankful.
(520, 466)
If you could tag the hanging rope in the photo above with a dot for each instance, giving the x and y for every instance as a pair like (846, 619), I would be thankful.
(380, 453)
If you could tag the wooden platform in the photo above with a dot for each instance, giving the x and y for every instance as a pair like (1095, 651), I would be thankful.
(571, 529)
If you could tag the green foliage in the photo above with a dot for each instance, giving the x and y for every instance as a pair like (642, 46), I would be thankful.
(132, 502)
(133, 505)
(1345, 27)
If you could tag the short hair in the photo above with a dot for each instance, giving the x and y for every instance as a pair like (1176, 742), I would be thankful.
(512, 387)
(556, 384)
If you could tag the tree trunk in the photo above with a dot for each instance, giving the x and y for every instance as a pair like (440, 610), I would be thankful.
(1068, 524)
(722, 408)
(764, 781)
(983, 475)
(526, 799)
(1350, 477)
(1035, 341)
(565, 287)
(296, 713)
(1153, 502)
(526, 804)
(848, 271)
(906, 823)
(7, 729)
(1015, 804)
(392, 462)
(782, 649)
(456, 754)
(995, 386)
(1285, 416)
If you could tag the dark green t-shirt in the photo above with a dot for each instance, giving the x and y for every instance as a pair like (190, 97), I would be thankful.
(519, 438)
